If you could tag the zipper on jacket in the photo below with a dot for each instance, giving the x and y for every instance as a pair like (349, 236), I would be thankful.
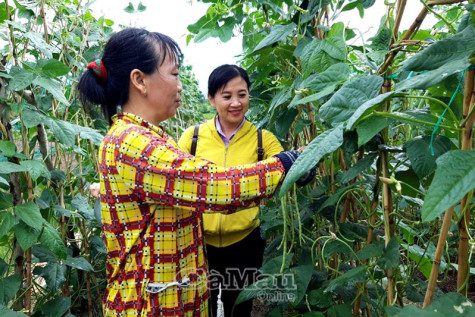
(220, 224)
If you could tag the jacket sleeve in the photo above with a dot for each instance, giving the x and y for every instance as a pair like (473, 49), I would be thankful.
(184, 143)
(158, 171)
(271, 145)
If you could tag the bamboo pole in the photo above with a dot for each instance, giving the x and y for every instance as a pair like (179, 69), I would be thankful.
(434, 273)
(464, 224)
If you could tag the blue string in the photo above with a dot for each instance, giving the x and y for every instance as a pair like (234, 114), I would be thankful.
(442, 115)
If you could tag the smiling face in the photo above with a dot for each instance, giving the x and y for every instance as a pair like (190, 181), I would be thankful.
(232, 102)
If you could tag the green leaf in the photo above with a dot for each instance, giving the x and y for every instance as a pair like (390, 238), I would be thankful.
(325, 143)
(52, 68)
(433, 77)
(43, 254)
(63, 130)
(273, 265)
(21, 78)
(350, 278)
(319, 299)
(373, 250)
(359, 167)
(454, 177)
(5, 312)
(368, 128)
(446, 51)
(451, 304)
(8, 288)
(30, 214)
(36, 168)
(302, 276)
(278, 33)
(419, 153)
(8, 167)
(91, 134)
(79, 263)
(349, 98)
(8, 148)
(51, 240)
(340, 310)
(39, 43)
(391, 255)
(54, 275)
(26, 235)
(54, 87)
(129, 8)
(31, 118)
(141, 7)
(7, 221)
(3, 267)
(264, 283)
(56, 307)
(81, 203)
(368, 106)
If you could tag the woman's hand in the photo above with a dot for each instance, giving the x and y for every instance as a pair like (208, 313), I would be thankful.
(95, 189)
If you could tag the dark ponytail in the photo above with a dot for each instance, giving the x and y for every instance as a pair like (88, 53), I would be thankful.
(125, 51)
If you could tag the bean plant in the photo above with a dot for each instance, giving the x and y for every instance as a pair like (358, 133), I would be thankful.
(388, 125)
(52, 256)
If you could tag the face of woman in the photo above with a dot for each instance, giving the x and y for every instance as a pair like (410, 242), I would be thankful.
(232, 102)
(164, 88)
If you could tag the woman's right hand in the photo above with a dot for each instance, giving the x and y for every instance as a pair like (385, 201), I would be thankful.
(95, 189)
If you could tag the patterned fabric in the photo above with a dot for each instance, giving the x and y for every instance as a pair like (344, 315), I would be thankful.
(223, 230)
(152, 197)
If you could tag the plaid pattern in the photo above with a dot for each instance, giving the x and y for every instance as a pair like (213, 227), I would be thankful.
(152, 196)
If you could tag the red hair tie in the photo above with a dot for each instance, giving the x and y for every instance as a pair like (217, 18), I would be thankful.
(99, 69)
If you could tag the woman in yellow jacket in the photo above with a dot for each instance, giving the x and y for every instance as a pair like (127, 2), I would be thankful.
(235, 247)
(153, 194)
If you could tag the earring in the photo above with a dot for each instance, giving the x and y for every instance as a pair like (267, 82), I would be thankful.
(144, 93)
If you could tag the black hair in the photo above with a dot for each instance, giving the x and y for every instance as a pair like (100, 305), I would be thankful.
(126, 50)
(221, 75)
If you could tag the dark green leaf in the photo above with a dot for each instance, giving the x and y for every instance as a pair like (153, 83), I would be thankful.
(359, 167)
(274, 265)
(8, 167)
(7, 221)
(266, 283)
(56, 307)
(5, 312)
(8, 288)
(3, 267)
(419, 153)
(81, 203)
(26, 235)
(21, 78)
(79, 263)
(325, 143)
(63, 130)
(35, 168)
(454, 177)
(54, 87)
(391, 255)
(8, 148)
(339, 310)
(54, 275)
(454, 49)
(433, 77)
(302, 276)
(319, 299)
(50, 239)
(141, 7)
(350, 278)
(350, 97)
(43, 254)
(368, 128)
(278, 33)
(30, 214)
(373, 250)
(129, 8)
(52, 68)
(31, 118)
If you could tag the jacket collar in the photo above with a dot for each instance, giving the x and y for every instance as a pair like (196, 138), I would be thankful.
(134, 119)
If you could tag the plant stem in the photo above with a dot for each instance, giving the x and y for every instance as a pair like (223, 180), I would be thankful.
(437, 257)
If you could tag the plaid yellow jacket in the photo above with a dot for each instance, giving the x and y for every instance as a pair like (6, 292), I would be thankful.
(152, 197)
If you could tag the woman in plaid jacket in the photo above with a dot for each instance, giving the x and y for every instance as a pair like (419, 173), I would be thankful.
(153, 194)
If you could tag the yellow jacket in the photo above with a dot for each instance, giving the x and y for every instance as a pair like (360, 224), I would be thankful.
(223, 230)
(152, 198)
